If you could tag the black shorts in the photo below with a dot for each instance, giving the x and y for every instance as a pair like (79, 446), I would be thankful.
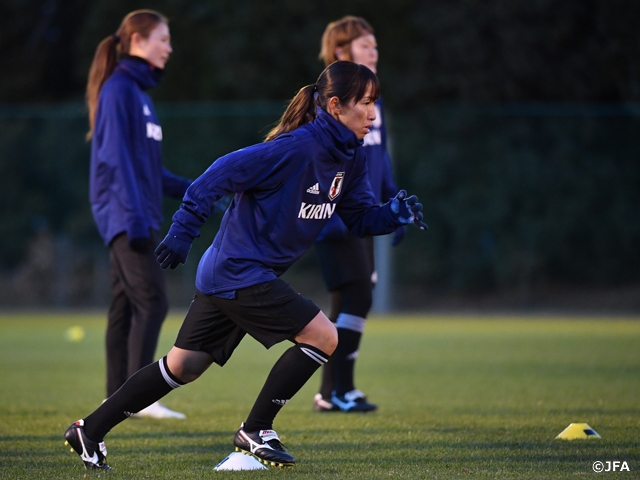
(270, 312)
(346, 261)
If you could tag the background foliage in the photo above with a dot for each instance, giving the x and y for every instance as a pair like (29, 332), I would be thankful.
(513, 121)
(469, 51)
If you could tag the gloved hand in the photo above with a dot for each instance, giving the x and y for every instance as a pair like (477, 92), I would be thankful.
(398, 236)
(408, 210)
(139, 245)
(172, 251)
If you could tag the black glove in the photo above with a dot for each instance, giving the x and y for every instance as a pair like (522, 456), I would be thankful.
(408, 210)
(172, 251)
(139, 245)
(398, 236)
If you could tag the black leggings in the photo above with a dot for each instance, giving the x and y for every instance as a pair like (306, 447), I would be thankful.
(138, 308)
(354, 298)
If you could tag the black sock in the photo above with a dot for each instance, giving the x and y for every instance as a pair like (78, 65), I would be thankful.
(344, 360)
(288, 375)
(147, 385)
(326, 386)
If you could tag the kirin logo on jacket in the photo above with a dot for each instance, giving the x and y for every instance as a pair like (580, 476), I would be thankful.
(313, 211)
(154, 131)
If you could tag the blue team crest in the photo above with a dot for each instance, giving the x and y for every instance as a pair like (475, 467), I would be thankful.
(336, 186)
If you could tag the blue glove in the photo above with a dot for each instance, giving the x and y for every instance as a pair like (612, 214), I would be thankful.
(172, 251)
(408, 210)
(398, 236)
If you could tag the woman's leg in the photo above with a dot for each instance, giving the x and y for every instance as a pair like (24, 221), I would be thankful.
(118, 327)
(318, 340)
(347, 266)
(143, 388)
(146, 386)
(315, 344)
(350, 322)
(323, 403)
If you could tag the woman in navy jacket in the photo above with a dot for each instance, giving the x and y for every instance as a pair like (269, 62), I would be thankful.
(127, 183)
(347, 261)
(311, 168)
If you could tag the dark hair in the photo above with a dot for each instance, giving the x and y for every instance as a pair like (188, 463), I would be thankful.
(346, 80)
(340, 34)
(111, 48)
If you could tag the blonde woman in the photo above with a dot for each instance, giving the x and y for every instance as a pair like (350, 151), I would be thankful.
(127, 183)
(346, 261)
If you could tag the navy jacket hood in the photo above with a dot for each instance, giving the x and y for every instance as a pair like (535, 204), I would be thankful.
(340, 142)
(142, 72)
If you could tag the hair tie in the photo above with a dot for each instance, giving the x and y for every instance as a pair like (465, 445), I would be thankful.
(116, 37)
(315, 87)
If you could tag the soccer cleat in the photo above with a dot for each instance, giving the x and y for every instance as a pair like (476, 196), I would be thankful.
(321, 405)
(93, 454)
(353, 401)
(264, 445)
(158, 410)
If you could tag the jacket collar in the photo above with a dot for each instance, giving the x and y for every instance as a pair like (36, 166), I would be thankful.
(338, 139)
(141, 71)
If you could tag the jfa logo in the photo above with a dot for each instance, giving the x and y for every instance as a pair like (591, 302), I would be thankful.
(336, 186)
(611, 466)
(154, 131)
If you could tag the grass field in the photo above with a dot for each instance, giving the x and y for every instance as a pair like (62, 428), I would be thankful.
(460, 397)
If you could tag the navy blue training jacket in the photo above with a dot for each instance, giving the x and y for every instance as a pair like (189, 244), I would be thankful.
(285, 192)
(127, 179)
(380, 172)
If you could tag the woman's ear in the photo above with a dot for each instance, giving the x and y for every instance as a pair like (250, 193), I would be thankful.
(340, 54)
(334, 107)
(135, 44)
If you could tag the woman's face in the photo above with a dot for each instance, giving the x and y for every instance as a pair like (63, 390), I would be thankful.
(364, 50)
(155, 49)
(357, 116)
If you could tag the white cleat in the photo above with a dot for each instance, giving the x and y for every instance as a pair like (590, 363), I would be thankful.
(158, 410)
(322, 405)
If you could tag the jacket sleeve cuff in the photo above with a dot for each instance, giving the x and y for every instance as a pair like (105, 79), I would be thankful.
(390, 219)
(186, 225)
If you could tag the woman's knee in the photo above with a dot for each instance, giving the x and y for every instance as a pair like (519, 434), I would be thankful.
(327, 338)
(320, 333)
(188, 365)
(331, 339)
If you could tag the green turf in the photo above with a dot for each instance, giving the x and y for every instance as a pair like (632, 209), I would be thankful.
(460, 397)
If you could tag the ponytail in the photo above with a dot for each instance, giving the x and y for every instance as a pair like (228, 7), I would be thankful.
(346, 80)
(104, 62)
(301, 110)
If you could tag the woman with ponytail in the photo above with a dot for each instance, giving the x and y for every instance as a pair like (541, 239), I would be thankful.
(127, 183)
(285, 190)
